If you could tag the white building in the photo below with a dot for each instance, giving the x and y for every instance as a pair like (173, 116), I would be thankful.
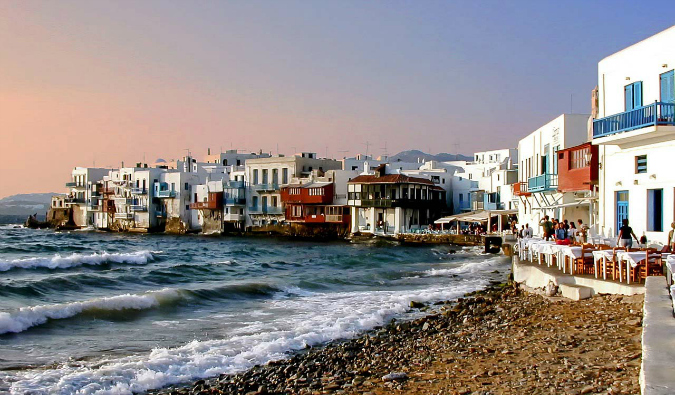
(538, 171)
(266, 176)
(80, 197)
(635, 134)
(485, 183)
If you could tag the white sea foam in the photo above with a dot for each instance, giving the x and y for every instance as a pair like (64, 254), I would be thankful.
(27, 317)
(472, 266)
(63, 262)
(306, 320)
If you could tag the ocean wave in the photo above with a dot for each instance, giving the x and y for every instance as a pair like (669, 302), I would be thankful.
(27, 317)
(312, 320)
(472, 266)
(63, 262)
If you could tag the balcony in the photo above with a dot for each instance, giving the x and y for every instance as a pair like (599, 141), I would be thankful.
(73, 201)
(520, 189)
(464, 206)
(404, 202)
(71, 184)
(139, 207)
(124, 215)
(165, 194)
(266, 187)
(266, 210)
(139, 191)
(234, 184)
(208, 205)
(542, 183)
(121, 200)
(233, 217)
(653, 115)
(234, 201)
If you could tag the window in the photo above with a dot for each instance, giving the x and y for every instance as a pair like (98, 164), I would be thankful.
(255, 202)
(461, 197)
(275, 176)
(255, 176)
(633, 95)
(577, 158)
(640, 164)
(264, 176)
(655, 210)
(187, 186)
(187, 207)
(274, 201)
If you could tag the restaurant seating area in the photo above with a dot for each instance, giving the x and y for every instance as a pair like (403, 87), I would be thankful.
(603, 261)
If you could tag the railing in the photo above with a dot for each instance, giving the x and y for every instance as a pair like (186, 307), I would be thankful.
(520, 189)
(464, 205)
(139, 191)
(541, 183)
(124, 215)
(233, 217)
(654, 114)
(73, 201)
(334, 218)
(376, 203)
(71, 184)
(210, 205)
(234, 201)
(265, 210)
(266, 187)
(234, 184)
(165, 194)
(139, 207)
(122, 200)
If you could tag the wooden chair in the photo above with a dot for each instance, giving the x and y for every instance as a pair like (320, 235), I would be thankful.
(585, 264)
(651, 266)
(613, 266)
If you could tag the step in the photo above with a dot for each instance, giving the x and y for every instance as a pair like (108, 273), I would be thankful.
(575, 292)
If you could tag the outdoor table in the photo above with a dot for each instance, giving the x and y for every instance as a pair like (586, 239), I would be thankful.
(632, 259)
(602, 255)
(572, 252)
(670, 265)
(539, 248)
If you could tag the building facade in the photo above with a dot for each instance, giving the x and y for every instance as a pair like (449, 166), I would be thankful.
(635, 135)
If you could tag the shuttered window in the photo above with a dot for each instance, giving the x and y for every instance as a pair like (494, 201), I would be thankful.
(633, 93)
(668, 87)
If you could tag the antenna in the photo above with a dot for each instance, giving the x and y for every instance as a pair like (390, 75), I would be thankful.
(384, 150)
(367, 147)
(571, 102)
(342, 152)
(455, 147)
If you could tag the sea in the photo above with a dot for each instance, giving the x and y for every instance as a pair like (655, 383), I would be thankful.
(86, 312)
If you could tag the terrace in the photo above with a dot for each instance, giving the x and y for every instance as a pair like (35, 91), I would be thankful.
(656, 118)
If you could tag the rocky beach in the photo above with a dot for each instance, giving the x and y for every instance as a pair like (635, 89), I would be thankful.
(498, 341)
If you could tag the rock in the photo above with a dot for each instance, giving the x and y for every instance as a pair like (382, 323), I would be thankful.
(425, 326)
(416, 305)
(395, 376)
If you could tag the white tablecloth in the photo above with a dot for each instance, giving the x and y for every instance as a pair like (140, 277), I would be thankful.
(602, 256)
(670, 264)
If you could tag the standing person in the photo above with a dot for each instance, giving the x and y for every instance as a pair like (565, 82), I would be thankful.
(560, 233)
(583, 231)
(572, 232)
(671, 237)
(547, 227)
(528, 231)
(625, 233)
(521, 234)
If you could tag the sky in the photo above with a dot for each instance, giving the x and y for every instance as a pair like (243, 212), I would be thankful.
(96, 83)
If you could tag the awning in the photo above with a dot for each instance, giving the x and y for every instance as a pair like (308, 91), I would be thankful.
(474, 216)
(585, 202)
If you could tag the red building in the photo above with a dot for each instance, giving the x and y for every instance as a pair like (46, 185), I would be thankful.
(313, 203)
(578, 168)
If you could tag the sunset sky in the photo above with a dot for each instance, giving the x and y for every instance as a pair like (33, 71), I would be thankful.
(84, 82)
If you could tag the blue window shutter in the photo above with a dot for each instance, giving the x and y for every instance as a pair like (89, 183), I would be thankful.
(629, 97)
(668, 87)
(637, 94)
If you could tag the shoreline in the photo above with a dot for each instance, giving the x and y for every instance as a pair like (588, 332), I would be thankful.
(496, 340)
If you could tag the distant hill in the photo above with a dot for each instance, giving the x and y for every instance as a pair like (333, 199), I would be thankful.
(15, 208)
(414, 155)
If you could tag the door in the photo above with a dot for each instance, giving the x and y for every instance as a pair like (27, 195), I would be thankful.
(264, 204)
(621, 208)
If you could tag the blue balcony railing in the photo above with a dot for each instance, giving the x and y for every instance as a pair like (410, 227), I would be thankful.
(541, 183)
(139, 191)
(265, 210)
(234, 201)
(465, 205)
(234, 184)
(651, 115)
(165, 194)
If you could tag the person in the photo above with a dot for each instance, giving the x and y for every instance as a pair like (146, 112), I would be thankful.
(560, 233)
(528, 231)
(583, 231)
(521, 234)
(572, 232)
(625, 233)
(671, 237)
(547, 227)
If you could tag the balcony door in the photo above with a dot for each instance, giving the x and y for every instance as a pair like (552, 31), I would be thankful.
(621, 208)
(668, 87)
(633, 94)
